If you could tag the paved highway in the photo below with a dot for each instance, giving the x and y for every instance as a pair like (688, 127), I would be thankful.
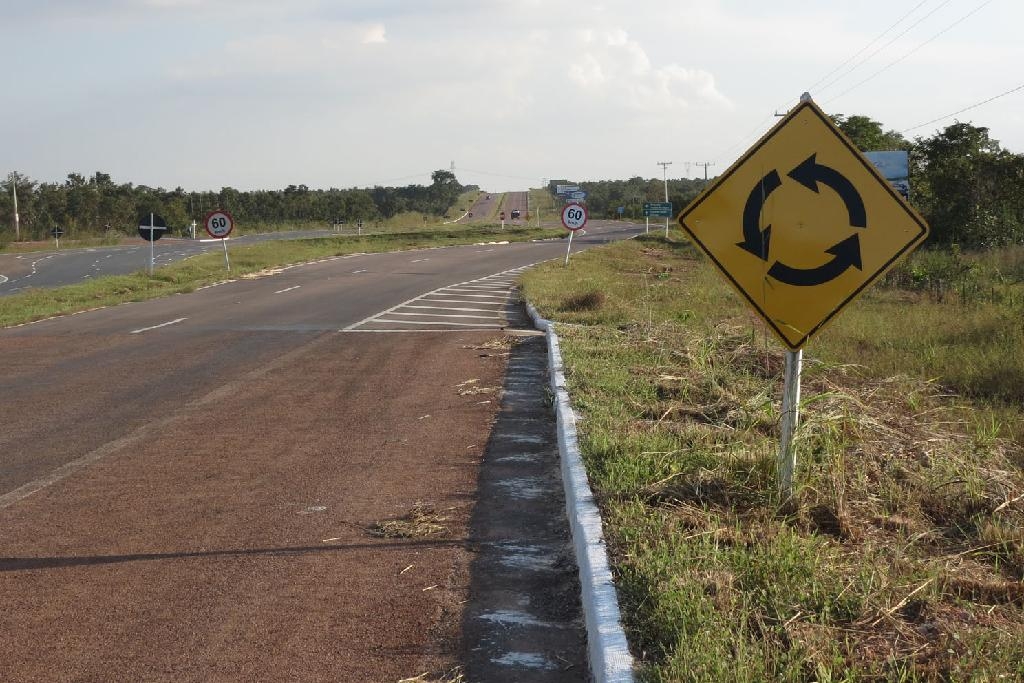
(187, 484)
(70, 266)
(56, 268)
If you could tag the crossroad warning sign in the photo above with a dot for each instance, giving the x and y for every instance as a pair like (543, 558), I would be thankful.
(802, 223)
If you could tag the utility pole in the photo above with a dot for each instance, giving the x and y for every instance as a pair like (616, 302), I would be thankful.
(705, 164)
(544, 187)
(14, 193)
(664, 176)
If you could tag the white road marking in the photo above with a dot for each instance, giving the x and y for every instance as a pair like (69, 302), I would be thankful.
(461, 301)
(482, 296)
(439, 297)
(356, 272)
(417, 322)
(288, 289)
(453, 308)
(3, 279)
(443, 315)
(147, 329)
(418, 260)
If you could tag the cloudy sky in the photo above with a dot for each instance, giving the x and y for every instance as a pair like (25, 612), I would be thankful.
(354, 93)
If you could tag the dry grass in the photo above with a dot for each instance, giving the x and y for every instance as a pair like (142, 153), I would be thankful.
(420, 522)
(451, 676)
(902, 555)
(507, 341)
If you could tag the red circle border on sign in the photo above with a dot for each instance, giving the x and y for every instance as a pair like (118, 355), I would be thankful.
(586, 216)
(206, 220)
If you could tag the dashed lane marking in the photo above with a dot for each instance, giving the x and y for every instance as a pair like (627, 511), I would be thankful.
(154, 327)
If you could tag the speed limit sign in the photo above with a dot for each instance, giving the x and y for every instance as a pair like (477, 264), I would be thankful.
(219, 224)
(574, 216)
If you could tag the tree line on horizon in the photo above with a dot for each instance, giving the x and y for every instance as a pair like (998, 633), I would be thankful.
(94, 206)
(967, 187)
(965, 184)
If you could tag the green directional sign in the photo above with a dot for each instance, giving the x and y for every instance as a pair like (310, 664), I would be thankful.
(658, 209)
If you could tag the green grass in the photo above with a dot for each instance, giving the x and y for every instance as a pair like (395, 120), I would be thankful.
(186, 276)
(901, 556)
(542, 201)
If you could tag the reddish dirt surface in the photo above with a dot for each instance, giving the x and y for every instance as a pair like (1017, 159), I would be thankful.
(231, 543)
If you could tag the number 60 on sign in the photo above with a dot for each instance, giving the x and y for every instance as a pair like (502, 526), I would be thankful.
(574, 216)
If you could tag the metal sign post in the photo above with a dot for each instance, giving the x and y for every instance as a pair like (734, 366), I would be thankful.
(750, 223)
(152, 232)
(574, 217)
(658, 209)
(152, 253)
(790, 419)
(219, 224)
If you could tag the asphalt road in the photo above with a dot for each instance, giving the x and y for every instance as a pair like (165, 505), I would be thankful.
(186, 483)
(70, 266)
(485, 208)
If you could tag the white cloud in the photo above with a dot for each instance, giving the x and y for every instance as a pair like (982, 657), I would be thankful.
(336, 92)
(612, 67)
(375, 34)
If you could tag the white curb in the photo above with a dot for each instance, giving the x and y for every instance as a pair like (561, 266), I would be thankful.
(610, 661)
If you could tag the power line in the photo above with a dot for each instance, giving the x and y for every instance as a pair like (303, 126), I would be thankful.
(893, 40)
(897, 61)
(758, 129)
(873, 41)
(497, 175)
(761, 125)
(961, 111)
(813, 88)
(404, 177)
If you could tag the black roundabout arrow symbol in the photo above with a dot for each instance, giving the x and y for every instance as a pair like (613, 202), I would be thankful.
(755, 240)
(846, 252)
(809, 173)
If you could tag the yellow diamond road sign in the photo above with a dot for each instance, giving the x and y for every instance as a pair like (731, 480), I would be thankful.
(802, 223)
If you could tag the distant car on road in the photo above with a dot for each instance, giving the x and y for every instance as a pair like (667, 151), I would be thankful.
(515, 213)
